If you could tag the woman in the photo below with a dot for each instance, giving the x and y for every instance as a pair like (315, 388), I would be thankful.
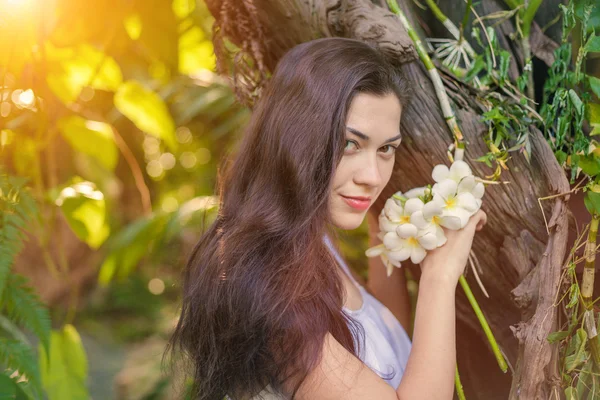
(269, 307)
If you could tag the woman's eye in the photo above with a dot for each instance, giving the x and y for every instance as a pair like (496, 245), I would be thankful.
(351, 145)
(388, 149)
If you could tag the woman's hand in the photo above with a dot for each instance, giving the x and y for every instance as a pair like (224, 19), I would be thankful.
(448, 262)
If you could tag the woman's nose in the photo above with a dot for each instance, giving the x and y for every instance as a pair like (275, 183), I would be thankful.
(368, 173)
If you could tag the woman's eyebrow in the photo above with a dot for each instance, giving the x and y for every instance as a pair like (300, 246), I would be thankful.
(365, 137)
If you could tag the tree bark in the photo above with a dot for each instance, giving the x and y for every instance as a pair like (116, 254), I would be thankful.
(521, 263)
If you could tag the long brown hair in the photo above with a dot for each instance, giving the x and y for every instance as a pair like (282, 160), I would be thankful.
(260, 290)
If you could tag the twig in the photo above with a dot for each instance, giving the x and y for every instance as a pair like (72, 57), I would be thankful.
(472, 264)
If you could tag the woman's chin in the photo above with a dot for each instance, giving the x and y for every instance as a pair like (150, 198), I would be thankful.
(348, 221)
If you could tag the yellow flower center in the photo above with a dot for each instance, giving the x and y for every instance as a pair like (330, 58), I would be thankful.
(405, 219)
(412, 241)
(436, 220)
(451, 202)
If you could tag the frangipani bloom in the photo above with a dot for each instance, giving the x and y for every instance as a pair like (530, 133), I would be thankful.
(457, 207)
(394, 214)
(409, 227)
(408, 242)
(461, 173)
(429, 219)
(380, 250)
(457, 171)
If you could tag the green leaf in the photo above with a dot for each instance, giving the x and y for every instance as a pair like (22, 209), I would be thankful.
(571, 393)
(590, 165)
(160, 36)
(579, 355)
(576, 101)
(574, 295)
(64, 376)
(130, 245)
(593, 44)
(561, 157)
(592, 202)
(504, 64)
(593, 117)
(557, 336)
(91, 137)
(133, 26)
(595, 85)
(18, 210)
(73, 68)
(183, 8)
(84, 207)
(147, 111)
(23, 306)
(8, 388)
(17, 356)
(196, 52)
(584, 379)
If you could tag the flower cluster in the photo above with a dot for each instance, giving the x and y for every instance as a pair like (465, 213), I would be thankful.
(411, 223)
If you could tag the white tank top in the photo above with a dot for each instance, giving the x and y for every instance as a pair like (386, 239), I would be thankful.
(386, 345)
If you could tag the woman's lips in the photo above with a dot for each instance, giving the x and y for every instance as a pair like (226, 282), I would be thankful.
(358, 203)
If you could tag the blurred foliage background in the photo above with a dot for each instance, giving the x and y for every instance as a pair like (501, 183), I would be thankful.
(112, 126)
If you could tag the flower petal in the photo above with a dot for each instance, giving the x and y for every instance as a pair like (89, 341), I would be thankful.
(467, 201)
(417, 255)
(393, 210)
(451, 222)
(441, 237)
(466, 184)
(418, 220)
(412, 205)
(392, 241)
(406, 231)
(416, 192)
(478, 190)
(389, 268)
(440, 173)
(446, 188)
(386, 225)
(461, 213)
(375, 251)
(459, 169)
(400, 255)
(428, 241)
(395, 263)
(433, 208)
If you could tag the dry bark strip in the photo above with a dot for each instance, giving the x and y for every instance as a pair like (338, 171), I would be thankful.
(521, 263)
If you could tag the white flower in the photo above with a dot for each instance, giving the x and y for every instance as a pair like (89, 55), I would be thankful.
(469, 185)
(416, 192)
(407, 242)
(395, 214)
(461, 173)
(430, 219)
(409, 227)
(458, 170)
(458, 205)
(380, 250)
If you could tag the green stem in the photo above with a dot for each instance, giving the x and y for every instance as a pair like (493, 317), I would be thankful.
(433, 73)
(587, 286)
(528, 15)
(484, 324)
(436, 11)
(513, 3)
(459, 388)
(528, 69)
(465, 20)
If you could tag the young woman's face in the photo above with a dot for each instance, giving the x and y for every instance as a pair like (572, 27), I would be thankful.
(372, 136)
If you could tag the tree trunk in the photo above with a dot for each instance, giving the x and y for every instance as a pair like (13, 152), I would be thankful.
(521, 262)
